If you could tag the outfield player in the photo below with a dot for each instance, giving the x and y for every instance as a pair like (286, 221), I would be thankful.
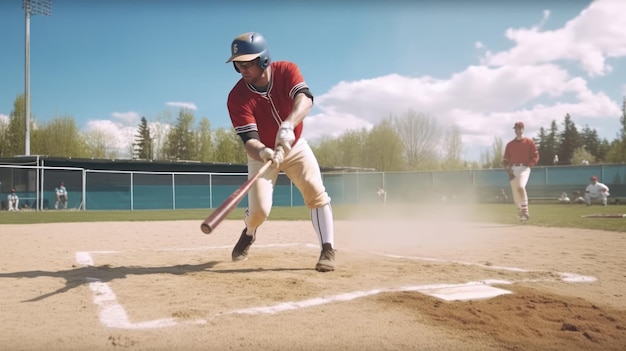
(267, 107)
(596, 191)
(520, 155)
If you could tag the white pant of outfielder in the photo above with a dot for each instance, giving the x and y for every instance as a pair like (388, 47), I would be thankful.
(301, 166)
(518, 187)
(589, 197)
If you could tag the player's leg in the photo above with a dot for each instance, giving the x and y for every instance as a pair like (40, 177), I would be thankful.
(523, 176)
(588, 199)
(259, 207)
(604, 196)
(302, 168)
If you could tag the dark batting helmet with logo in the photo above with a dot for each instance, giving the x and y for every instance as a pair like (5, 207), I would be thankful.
(249, 46)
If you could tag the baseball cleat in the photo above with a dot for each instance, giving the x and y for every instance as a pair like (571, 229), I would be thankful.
(524, 217)
(326, 262)
(240, 251)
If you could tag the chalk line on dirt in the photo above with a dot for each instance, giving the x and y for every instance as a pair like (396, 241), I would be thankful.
(113, 315)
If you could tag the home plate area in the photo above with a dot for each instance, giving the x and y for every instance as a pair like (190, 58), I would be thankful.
(138, 289)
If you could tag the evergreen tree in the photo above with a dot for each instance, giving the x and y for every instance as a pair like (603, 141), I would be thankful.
(569, 140)
(143, 141)
(549, 146)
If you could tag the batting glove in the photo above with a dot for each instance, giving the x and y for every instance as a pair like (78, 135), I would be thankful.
(285, 136)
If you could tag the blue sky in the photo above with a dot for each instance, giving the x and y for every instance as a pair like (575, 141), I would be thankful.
(479, 65)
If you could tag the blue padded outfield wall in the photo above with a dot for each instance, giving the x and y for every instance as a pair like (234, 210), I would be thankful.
(144, 190)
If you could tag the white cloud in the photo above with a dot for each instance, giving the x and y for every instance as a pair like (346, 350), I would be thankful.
(120, 136)
(183, 105)
(130, 117)
(4, 118)
(524, 83)
(596, 34)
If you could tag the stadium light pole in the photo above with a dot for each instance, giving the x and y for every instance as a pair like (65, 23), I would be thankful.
(31, 7)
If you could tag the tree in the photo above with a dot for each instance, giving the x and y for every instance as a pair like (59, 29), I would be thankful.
(60, 137)
(453, 149)
(99, 144)
(180, 139)
(548, 144)
(493, 158)
(421, 136)
(204, 141)
(617, 149)
(143, 141)
(228, 147)
(569, 140)
(383, 148)
(4, 126)
(16, 131)
(581, 154)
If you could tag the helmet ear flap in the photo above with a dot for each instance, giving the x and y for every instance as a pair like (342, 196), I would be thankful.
(264, 61)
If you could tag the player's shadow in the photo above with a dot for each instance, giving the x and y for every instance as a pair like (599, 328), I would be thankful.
(105, 273)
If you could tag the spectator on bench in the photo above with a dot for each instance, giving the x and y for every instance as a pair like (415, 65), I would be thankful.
(13, 201)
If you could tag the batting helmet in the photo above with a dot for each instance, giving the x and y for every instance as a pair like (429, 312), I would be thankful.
(249, 46)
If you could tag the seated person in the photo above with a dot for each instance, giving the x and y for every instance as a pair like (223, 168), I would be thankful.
(61, 196)
(596, 191)
(578, 199)
(13, 200)
(564, 199)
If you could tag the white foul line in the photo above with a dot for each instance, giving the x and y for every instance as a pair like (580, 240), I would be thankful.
(113, 315)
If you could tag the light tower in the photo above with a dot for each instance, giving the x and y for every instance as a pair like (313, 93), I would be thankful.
(31, 7)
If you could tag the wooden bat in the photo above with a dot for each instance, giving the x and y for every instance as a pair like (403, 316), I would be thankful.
(215, 218)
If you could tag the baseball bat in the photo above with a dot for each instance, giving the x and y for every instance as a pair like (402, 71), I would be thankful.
(215, 218)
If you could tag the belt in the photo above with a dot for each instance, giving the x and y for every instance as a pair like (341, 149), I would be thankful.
(520, 165)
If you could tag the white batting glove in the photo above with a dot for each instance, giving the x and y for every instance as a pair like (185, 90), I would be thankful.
(285, 136)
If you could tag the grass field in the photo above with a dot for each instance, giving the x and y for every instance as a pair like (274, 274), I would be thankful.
(548, 215)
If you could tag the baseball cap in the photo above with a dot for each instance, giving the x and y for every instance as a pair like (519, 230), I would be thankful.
(518, 125)
(594, 178)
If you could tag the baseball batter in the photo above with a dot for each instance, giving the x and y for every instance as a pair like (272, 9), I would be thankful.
(267, 107)
(520, 155)
(596, 191)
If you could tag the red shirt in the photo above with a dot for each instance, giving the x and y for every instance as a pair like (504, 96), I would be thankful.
(522, 151)
(251, 110)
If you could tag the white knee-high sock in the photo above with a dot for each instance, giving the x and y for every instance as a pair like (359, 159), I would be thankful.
(322, 219)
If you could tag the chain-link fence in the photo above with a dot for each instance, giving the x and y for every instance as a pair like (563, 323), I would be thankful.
(142, 190)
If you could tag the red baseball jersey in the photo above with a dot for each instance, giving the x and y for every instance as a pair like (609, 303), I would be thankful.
(523, 151)
(251, 110)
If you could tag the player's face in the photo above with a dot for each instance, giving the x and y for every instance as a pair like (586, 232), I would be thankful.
(250, 71)
(519, 132)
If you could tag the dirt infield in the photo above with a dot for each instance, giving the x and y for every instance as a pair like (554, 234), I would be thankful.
(166, 286)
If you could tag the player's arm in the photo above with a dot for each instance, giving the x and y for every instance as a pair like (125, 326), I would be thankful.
(285, 137)
(302, 104)
(254, 146)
